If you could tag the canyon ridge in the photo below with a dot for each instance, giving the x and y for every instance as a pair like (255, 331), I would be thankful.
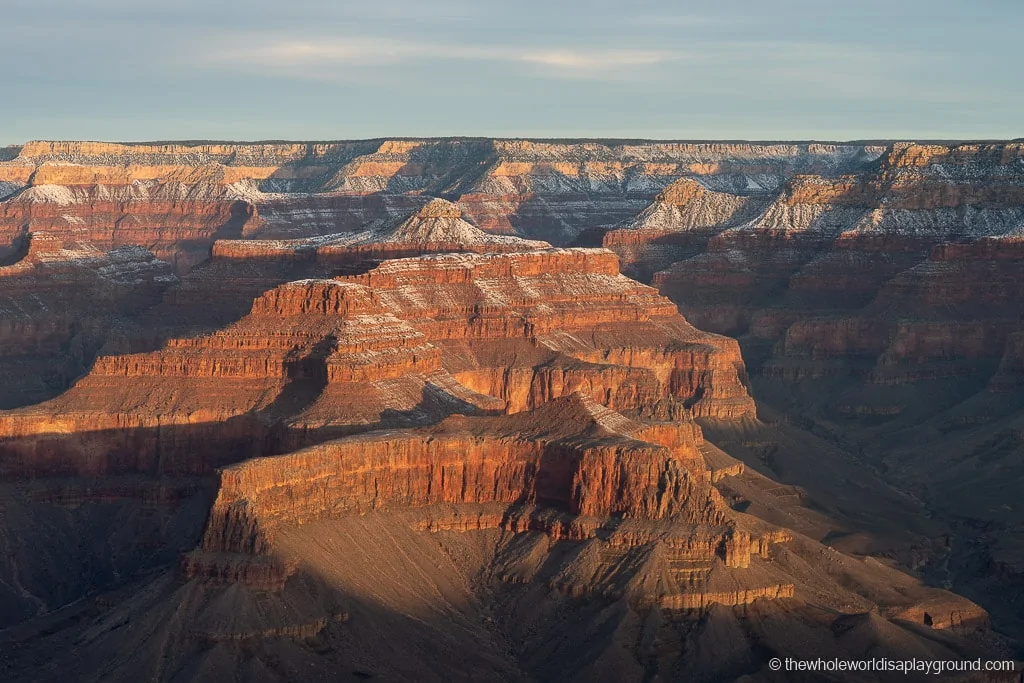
(471, 409)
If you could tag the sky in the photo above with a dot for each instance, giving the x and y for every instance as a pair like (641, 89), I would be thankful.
(665, 69)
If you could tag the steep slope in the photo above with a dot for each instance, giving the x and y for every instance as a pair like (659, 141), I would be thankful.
(554, 191)
(828, 244)
(58, 305)
(337, 449)
(555, 544)
(438, 447)
(683, 217)
(408, 341)
(859, 259)
(883, 311)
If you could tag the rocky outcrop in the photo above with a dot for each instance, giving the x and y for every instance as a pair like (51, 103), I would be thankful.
(410, 421)
(563, 469)
(407, 342)
(555, 190)
(221, 290)
(881, 311)
(683, 217)
(437, 227)
(570, 453)
(175, 219)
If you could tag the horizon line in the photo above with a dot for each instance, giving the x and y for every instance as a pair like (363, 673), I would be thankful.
(548, 139)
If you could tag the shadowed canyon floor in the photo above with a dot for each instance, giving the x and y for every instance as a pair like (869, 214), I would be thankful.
(340, 411)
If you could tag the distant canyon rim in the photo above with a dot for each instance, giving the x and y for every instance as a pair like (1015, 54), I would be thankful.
(487, 409)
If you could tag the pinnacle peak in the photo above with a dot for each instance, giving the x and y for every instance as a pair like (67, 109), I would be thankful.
(440, 208)
(681, 191)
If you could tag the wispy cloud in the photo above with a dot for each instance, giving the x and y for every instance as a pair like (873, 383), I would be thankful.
(557, 61)
(679, 20)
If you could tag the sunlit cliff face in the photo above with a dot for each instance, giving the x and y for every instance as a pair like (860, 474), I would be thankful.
(361, 408)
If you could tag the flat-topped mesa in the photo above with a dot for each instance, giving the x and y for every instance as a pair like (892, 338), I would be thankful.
(566, 318)
(572, 318)
(569, 453)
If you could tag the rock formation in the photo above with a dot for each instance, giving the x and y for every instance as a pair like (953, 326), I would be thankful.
(410, 340)
(58, 304)
(367, 431)
(176, 199)
(878, 264)
(683, 217)
(883, 309)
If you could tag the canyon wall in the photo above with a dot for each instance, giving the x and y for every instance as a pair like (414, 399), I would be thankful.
(408, 341)
(175, 199)
(58, 305)
(879, 310)
(912, 266)
(318, 391)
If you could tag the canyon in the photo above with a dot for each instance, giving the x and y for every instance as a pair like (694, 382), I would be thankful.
(481, 409)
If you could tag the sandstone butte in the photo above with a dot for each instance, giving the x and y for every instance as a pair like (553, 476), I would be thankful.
(355, 410)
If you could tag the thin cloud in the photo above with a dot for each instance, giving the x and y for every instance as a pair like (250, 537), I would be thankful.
(575, 59)
(355, 52)
(678, 20)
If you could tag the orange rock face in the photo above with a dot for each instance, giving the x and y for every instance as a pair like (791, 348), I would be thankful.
(57, 305)
(354, 391)
(563, 469)
(572, 454)
(677, 225)
(432, 333)
(539, 336)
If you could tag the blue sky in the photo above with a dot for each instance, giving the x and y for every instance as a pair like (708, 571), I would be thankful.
(305, 69)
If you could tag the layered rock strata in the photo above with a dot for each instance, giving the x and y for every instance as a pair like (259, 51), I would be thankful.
(563, 469)
(879, 264)
(58, 305)
(438, 227)
(176, 199)
(678, 225)
(410, 340)
(446, 446)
